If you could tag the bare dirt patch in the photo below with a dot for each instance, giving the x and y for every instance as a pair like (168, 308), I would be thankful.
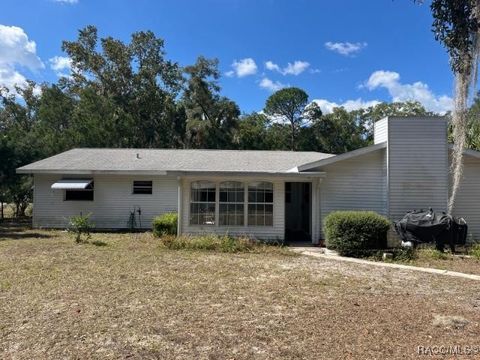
(132, 298)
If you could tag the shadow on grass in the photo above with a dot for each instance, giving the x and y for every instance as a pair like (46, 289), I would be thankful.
(18, 236)
(17, 229)
(98, 243)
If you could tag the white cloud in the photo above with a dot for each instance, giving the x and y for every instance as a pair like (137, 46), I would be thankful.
(349, 105)
(270, 65)
(398, 92)
(61, 65)
(16, 50)
(295, 68)
(243, 68)
(66, 1)
(270, 85)
(10, 78)
(345, 48)
(417, 91)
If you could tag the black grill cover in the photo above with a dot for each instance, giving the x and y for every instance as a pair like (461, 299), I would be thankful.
(428, 226)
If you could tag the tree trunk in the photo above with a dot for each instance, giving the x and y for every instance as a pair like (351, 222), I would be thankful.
(2, 214)
(459, 120)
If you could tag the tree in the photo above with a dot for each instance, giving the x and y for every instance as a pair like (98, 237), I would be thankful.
(211, 118)
(252, 131)
(456, 25)
(367, 117)
(338, 132)
(288, 105)
(19, 144)
(54, 120)
(278, 137)
(472, 140)
(127, 91)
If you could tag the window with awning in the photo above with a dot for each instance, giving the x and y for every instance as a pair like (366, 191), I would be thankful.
(73, 184)
(75, 189)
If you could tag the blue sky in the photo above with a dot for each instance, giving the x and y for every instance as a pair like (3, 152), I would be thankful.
(352, 53)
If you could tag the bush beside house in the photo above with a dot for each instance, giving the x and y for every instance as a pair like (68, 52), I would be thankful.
(356, 233)
(80, 226)
(165, 224)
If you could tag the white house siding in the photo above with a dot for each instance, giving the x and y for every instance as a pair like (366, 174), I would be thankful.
(275, 232)
(380, 131)
(417, 165)
(113, 201)
(468, 196)
(355, 184)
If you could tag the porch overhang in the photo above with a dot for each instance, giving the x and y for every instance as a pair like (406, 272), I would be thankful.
(283, 174)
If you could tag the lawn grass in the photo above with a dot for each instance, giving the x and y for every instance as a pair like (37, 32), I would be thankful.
(131, 297)
(429, 257)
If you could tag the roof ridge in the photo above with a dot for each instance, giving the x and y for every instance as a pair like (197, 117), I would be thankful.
(212, 150)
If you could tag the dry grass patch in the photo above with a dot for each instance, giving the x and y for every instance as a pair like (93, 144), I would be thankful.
(429, 257)
(134, 298)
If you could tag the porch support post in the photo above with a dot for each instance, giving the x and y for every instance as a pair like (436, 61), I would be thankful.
(179, 206)
(316, 211)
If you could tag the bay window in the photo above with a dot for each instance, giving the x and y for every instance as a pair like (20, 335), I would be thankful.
(231, 203)
(234, 201)
(202, 203)
(260, 204)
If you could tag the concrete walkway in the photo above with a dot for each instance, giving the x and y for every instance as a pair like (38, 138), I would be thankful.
(319, 253)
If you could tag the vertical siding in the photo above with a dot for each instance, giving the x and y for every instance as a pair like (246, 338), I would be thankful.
(380, 133)
(417, 165)
(275, 232)
(355, 184)
(467, 204)
(113, 201)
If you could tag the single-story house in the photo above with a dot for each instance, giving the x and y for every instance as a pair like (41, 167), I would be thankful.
(263, 194)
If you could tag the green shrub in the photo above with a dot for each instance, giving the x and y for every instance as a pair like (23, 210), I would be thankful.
(356, 233)
(165, 224)
(475, 251)
(400, 254)
(80, 226)
(222, 243)
(405, 254)
(430, 253)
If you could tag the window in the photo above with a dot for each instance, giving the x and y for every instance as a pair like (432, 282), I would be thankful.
(142, 187)
(80, 194)
(232, 194)
(202, 203)
(260, 204)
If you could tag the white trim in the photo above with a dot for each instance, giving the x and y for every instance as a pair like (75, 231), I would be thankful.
(179, 206)
(172, 173)
(341, 157)
(91, 172)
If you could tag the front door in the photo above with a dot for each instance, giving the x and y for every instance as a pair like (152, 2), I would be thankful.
(298, 215)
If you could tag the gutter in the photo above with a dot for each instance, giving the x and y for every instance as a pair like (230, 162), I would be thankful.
(315, 174)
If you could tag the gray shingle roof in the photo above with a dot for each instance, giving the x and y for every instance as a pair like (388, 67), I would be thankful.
(105, 160)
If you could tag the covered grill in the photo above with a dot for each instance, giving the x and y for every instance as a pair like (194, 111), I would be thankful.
(418, 227)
